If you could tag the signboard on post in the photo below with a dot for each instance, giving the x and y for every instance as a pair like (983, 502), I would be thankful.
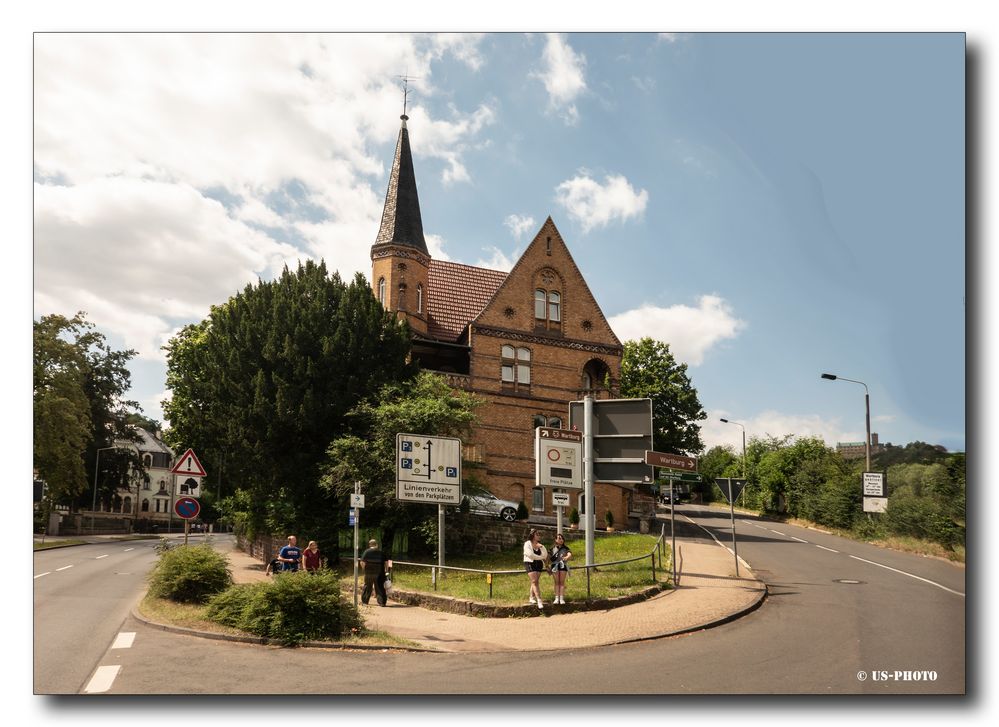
(560, 499)
(558, 458)
(622, 432)
(187, 507)
(671, 461)
(875, 492)
(188, 464)
(428, 469)
(730, 487)
(356, 500)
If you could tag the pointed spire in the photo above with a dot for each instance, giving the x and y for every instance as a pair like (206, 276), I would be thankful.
(402, 223)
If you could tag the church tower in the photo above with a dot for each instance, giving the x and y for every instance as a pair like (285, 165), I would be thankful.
(400, 261)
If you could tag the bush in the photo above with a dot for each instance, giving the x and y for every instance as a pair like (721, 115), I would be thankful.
(574, 516)
(609, 518)
(522, 511)
(190, 574)
(292, 608)
(922, 517)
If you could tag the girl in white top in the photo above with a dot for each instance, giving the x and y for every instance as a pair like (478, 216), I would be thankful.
(534, 562)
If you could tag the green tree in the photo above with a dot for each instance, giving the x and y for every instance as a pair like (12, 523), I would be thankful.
(427, 405)
(263, 385)
(79, 403)
(716, 462)
(648, 369)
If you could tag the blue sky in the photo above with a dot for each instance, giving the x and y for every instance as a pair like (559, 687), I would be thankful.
(772, 205)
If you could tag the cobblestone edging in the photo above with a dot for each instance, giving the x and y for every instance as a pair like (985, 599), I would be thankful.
(449, 604)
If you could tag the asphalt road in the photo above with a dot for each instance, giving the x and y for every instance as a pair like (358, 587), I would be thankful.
(82, 595)
(815, 633)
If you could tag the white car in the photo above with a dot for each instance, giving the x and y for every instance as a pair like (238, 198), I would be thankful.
(483, 502)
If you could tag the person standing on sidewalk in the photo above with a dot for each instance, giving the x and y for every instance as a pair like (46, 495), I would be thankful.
(534, 563)
(291, 555)
(374, 562)
(560, 569)
(310, 557)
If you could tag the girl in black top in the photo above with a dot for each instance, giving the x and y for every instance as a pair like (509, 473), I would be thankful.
(560, 553)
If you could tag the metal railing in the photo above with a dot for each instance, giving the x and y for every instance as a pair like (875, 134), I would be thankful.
(437, 571)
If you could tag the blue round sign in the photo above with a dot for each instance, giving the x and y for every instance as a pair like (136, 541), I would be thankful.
(187, 507)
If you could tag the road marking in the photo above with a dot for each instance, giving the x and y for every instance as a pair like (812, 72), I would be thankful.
(798, 539)
(101, 556)
(718, 541)
(43, 574)
(124, 640)
(63, 568)
(102, 679)
(825, 548)
(128, 549)
(778, 532)
(918, 578)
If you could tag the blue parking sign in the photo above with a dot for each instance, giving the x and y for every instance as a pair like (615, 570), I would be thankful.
(407, 464)
(452, 472)
(407, 446)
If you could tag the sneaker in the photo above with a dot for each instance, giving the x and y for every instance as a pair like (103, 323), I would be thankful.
(540, 606)
(530, 600)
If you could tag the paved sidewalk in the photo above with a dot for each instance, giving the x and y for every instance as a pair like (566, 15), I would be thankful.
(709, 593)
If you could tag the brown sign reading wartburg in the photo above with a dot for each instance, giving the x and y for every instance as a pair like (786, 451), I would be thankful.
(672, 461)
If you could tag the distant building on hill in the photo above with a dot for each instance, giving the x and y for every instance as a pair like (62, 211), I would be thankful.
(855, 450)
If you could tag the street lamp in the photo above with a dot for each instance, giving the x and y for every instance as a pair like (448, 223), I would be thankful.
(97, 468)
(743, 446)
(867, 405)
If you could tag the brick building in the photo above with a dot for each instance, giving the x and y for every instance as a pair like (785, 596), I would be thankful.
(528, 341)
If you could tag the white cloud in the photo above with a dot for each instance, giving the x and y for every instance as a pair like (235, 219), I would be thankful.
(772, 423)
(690, 332)
(562, 76)
(596, 205)
(499, 260)
(519, 225)
(435, 246)
(137, 135)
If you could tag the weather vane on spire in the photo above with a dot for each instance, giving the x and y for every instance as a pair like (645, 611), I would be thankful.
(406, 78)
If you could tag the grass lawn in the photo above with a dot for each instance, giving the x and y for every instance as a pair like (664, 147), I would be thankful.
(605, 582)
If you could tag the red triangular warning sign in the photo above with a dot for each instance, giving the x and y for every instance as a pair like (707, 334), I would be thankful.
(188, 464)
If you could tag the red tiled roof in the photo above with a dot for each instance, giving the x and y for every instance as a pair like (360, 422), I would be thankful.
(457, 294)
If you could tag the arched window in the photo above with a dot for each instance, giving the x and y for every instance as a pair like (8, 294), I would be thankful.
(126, 505)
(540, 298)
(595, 374)
(555, 422)
(419, 297)
(381, 290)
(539, 420)
(554, 303)
(401, 302)
(145, 505)
(147, 460)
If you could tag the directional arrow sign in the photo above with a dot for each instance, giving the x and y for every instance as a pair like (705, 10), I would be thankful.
(672, 461)
(188, 464)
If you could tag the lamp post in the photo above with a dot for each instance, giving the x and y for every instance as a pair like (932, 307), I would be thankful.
(743, 445)
(93, 506)
(867, 405)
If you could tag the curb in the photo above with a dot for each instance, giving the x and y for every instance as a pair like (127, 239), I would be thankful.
(264, 641)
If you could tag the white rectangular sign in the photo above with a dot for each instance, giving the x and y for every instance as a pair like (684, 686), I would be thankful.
(875, 504)
(560, 499)
(874, 484)
(428, 469)
(558, 462)
(356, 500)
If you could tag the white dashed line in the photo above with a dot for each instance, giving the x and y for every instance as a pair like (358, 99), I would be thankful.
(128, 549)
(124, 640)
(63, 568)
(778, 532)
(825, 548)
(102, 679)
(798, 539)
(101, 556)
(43, 574)
(918, 578)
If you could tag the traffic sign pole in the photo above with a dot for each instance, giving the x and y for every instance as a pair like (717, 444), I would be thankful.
(357, 512)
(589, 515)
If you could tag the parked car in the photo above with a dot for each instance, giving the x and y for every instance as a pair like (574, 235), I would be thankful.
(483, 502)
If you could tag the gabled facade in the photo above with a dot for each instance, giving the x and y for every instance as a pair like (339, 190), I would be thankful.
(528, 341)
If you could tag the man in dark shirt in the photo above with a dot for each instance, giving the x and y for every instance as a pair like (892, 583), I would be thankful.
(291, 555)
(374, 562)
